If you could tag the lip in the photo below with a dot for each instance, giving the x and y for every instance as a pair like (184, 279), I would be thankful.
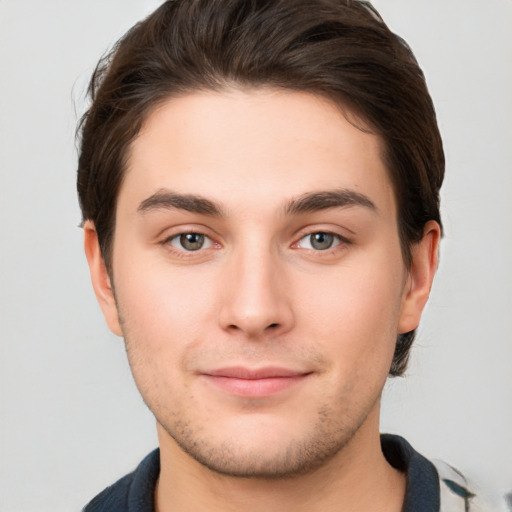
(254, 382)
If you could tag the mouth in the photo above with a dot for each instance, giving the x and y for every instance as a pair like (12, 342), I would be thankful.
(254, 383)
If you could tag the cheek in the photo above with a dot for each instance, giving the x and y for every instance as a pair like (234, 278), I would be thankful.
(161, 325)
(355, 312)
(159, 299)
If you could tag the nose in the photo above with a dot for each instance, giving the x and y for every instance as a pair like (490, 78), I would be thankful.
(256, 301)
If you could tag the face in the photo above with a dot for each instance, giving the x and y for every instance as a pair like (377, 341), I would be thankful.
(258, 276)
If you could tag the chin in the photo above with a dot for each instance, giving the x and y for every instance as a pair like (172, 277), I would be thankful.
(275, 452)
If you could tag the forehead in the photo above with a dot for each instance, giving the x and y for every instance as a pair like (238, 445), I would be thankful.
(259, 146)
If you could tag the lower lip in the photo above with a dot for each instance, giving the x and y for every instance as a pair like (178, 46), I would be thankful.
(255, 388)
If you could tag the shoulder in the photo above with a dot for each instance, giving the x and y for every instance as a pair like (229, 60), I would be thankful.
(434, 485)
(113, 498)
(132, 493)
(459, 493)
(456, 492)
(422, 489)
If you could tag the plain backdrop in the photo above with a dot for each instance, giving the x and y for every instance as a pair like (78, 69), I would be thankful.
(71, 419)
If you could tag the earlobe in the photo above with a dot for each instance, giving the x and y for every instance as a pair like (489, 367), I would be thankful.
(100, 278)
(421, 275)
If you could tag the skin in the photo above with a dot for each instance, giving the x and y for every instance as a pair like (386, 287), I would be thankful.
(244, 169)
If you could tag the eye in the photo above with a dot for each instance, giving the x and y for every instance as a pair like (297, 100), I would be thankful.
(190, 241)
(319, 241)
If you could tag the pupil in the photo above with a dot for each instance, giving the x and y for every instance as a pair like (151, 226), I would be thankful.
(322, 241)
(192, 241)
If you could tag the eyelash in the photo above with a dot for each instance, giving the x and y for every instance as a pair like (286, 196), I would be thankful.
(338, 240)
(183, 252)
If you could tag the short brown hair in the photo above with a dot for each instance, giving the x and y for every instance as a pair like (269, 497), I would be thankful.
(340, 49)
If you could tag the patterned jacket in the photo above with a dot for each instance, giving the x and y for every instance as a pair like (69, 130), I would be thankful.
(459, 495)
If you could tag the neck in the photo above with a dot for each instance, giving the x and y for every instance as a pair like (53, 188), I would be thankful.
(358, 478)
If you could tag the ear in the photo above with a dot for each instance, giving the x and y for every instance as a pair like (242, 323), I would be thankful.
(419, 281)
(100, 278)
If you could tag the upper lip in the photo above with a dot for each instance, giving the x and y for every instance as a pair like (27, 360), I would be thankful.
(240, 372)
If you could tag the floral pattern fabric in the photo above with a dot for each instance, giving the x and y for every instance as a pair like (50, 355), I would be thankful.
(460, 495)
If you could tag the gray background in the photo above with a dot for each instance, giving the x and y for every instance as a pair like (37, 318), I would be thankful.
(71, 419)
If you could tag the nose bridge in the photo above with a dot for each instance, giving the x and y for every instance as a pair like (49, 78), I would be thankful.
(255, 301)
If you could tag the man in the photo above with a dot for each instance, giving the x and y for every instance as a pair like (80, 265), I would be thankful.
(259, 182)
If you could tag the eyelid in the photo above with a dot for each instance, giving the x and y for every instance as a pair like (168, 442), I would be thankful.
(311, 230)
(212, 243)
(337, 241)
(180, 252)
(169, 232)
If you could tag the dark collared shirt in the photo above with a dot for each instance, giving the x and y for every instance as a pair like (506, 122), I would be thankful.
(135, 491)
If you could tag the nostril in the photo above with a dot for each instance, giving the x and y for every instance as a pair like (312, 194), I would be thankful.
(273, 326)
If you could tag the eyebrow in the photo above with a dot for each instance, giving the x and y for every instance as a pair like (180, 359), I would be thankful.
(323, 200)
(167, 200)
(310, 202)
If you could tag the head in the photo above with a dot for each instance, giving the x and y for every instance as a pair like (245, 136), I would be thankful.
(253, 58)
(343, 52)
